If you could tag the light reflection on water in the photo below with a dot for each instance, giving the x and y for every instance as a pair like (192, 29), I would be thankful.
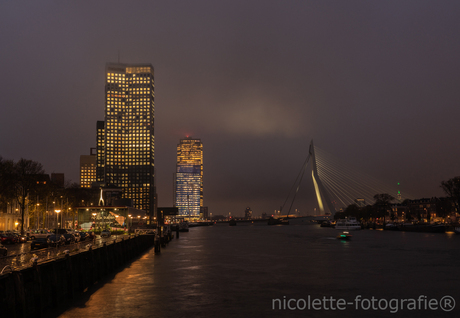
(236, 271)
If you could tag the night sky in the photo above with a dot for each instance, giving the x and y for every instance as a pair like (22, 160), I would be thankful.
(373, 83)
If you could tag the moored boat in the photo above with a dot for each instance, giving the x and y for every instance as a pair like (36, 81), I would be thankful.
(326, 224)
(391, 227)
(273, 221)
(348, 224)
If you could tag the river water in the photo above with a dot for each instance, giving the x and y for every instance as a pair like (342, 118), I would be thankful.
(285, 271)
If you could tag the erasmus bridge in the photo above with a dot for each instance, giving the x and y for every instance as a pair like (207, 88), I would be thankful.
(338, 185)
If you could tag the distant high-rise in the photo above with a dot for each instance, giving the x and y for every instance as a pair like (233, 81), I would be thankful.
(100, 151)
(87, 170)
(189, 177)
(248, 213)
(125, 141)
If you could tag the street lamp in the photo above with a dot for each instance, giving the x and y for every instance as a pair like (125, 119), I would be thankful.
(57, 219)
(56, 234)
(73, 217)
(94, 217)
(38, 215)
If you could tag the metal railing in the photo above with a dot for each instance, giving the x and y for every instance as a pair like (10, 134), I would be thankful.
(20, 261)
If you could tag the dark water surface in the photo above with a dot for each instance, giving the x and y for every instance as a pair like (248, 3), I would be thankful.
(224, 271)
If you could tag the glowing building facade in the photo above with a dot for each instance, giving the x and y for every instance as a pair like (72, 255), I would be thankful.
(189, 177)
(87, 170)
(125, 142)
(100, 151)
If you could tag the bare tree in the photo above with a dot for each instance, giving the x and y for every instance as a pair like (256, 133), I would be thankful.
(23, 180)
(383, 204)
(452, 188)
(6, 176)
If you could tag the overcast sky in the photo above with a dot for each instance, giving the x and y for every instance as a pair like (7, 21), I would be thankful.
(373, 83)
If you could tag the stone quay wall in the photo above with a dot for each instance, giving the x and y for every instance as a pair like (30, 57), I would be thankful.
(32, 291)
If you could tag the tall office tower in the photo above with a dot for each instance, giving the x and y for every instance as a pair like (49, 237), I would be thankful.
(127, 156)
(189, 177)
(87, 170)
(100, 151)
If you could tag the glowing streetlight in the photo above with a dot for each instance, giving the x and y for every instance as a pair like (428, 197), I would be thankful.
(56, 234)
(94, 218)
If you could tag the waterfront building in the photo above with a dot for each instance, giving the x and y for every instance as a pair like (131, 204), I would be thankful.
(204, 213)
(189, 178)
(427, 209)
(125, 140)
(10, 216)
(168, 215)
(87, 170)
(248, 213)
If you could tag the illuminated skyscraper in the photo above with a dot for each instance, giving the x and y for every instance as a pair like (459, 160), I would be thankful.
(125, 147)
(189, 177)
(87, 170)
(100, 151)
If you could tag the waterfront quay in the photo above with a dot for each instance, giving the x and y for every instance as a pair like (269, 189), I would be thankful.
(21, 255)
(253, 270)
(53, 277)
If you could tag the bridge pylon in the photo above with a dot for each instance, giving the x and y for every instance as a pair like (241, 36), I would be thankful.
(324, 203)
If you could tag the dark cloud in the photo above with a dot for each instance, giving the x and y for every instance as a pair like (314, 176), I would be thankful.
(374, 83)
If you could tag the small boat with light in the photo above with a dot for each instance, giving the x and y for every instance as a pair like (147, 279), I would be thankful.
(345, 235)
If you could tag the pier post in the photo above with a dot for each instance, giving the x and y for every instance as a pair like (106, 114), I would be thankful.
(38, 292)
(19, 294)
(69, 276)
(157, 245)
